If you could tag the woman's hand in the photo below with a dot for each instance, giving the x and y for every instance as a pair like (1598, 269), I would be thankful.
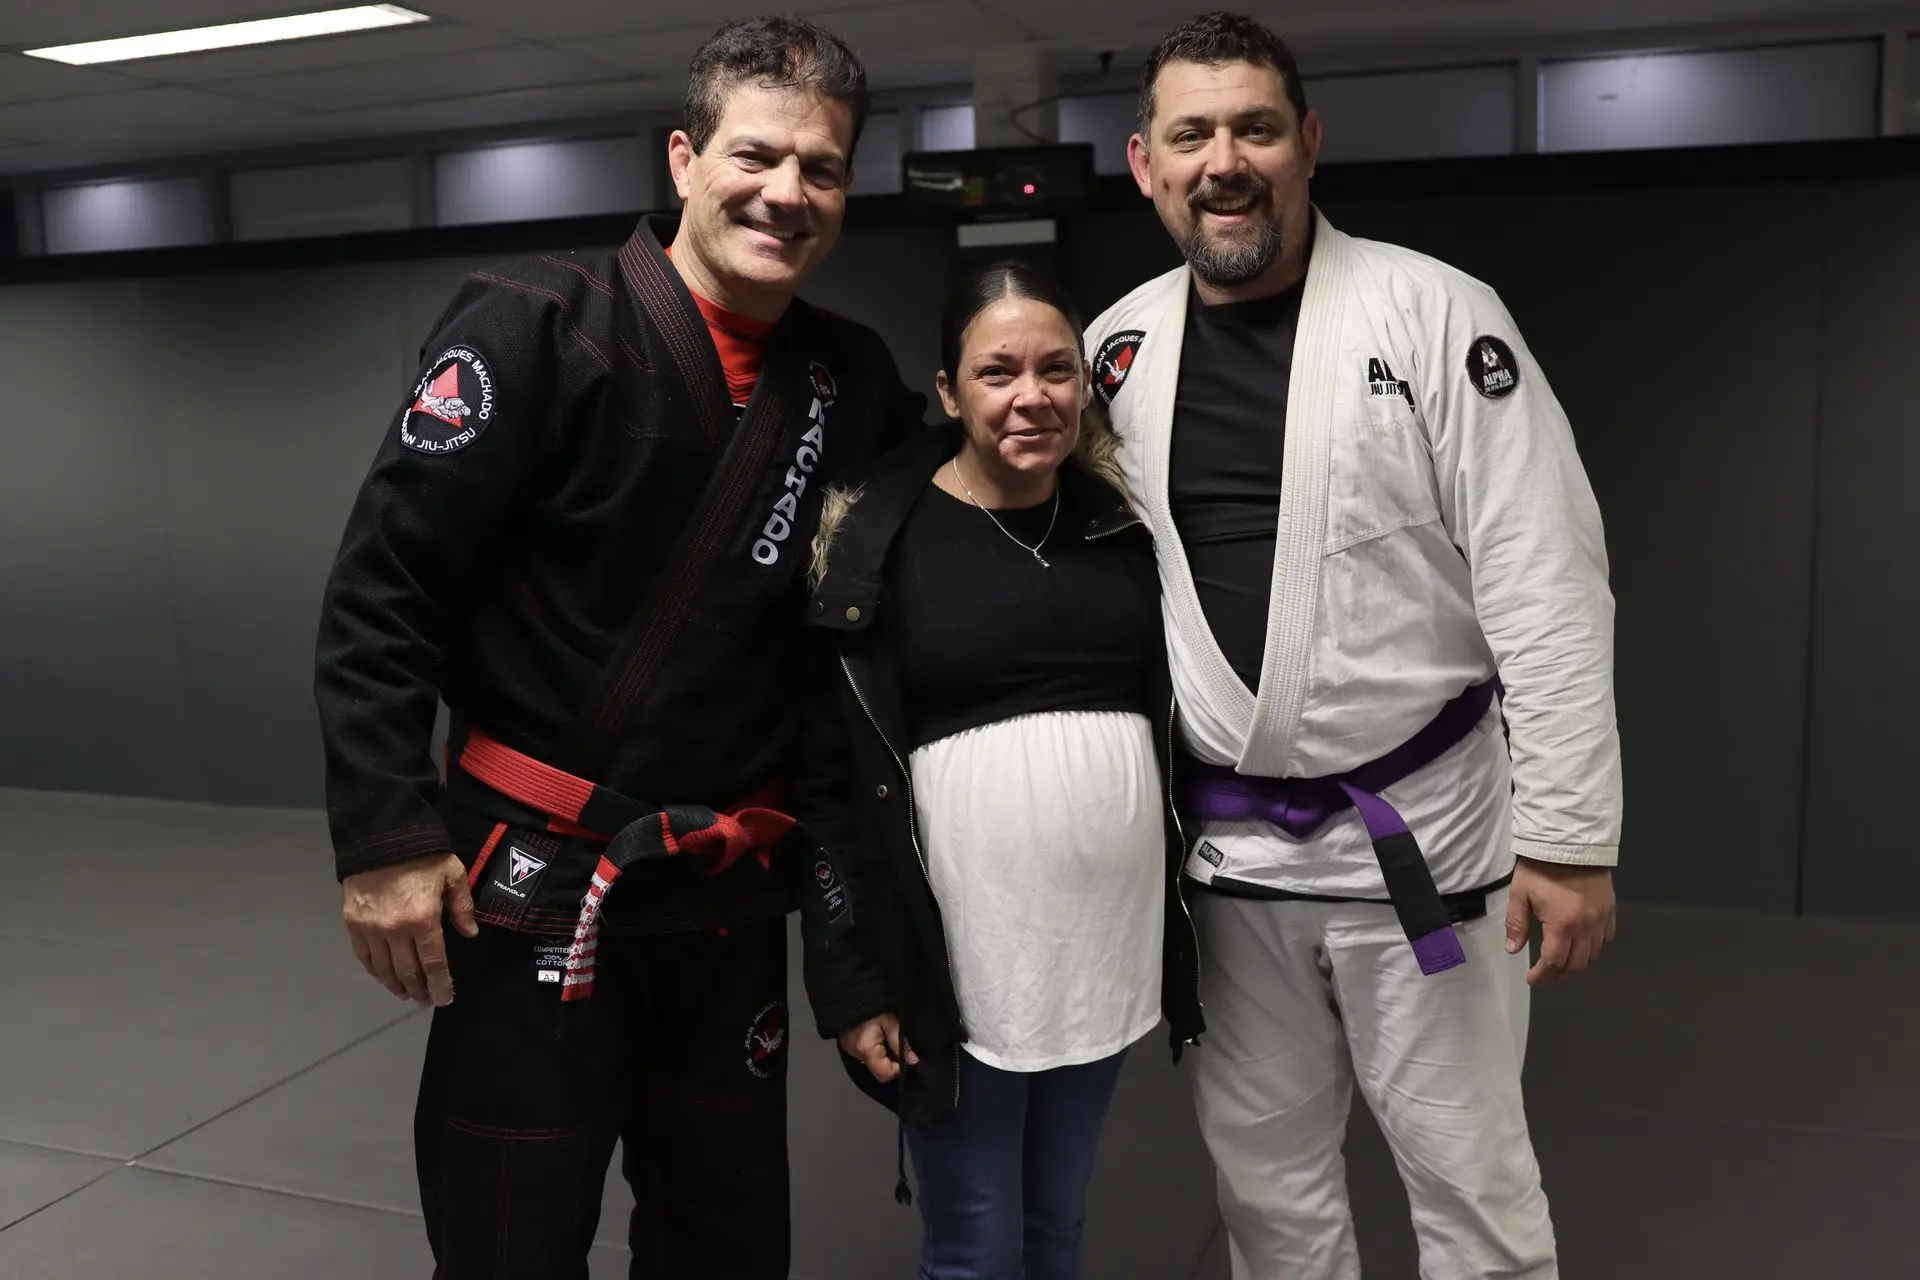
(877, 1043)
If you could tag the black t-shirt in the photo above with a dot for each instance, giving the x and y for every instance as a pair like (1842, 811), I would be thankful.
(983, 633)
(1229, 440)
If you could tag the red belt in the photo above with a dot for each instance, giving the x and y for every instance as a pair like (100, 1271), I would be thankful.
(577, 807)
(632, 830)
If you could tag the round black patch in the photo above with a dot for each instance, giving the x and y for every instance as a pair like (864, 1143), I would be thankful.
(767, 1040)
(452, 405)
(822, 381)
(1113, 362)
(1491, 366)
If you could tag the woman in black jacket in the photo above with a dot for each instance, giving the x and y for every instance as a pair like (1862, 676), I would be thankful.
(998, 914)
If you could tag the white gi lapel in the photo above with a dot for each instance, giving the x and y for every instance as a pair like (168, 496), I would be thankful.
(1215, 706)
(1300, 543)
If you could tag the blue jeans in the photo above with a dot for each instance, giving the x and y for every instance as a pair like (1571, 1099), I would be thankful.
(1003, 1189)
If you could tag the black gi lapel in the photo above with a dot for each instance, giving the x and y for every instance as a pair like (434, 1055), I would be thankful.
(670, 311)
(743, 464)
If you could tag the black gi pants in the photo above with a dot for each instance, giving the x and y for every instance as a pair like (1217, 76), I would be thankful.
(680, 1053)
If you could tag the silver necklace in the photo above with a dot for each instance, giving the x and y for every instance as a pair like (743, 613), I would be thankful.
(1033, 550)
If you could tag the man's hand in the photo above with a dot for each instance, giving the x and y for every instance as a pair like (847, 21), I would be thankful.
(1574, 906)
(877, 1043)
(393, 917)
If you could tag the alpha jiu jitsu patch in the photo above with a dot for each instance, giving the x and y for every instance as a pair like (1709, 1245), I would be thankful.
(1491, 365)
(1382, 384)
(1113, 361)
(452, 405)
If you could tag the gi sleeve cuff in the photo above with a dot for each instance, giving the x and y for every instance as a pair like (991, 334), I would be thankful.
(390, 847)
(1571, 855)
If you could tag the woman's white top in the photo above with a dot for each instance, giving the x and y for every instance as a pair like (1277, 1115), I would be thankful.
(1043, 838)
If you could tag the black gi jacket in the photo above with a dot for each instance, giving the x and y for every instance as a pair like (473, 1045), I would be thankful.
(517, 551)
(875, 941)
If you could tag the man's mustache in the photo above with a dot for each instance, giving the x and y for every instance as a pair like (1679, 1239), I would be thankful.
(1215, 188)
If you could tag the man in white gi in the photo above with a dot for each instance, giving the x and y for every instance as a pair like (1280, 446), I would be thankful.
(1375, 538)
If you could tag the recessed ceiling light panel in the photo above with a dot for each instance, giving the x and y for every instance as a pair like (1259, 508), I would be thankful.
(232, 35)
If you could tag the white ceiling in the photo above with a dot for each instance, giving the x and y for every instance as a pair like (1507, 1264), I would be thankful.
(490, 63)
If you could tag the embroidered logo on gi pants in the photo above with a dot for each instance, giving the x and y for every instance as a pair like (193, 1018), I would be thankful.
(766, 1038)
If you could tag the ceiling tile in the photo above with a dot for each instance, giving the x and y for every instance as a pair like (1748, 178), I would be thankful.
(901, 44)
(656, 53)
(605, 104)
(369, 47)
(922, 69)
(36, 80)
(142, 113)
(916, 27)
(452, 75)
(553, 23)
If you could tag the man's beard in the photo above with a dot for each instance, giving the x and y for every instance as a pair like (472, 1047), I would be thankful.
(1241, 254)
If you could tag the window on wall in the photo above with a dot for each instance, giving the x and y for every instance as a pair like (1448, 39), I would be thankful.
(320, 200)
(946, 128)
(1407, 115)
(1104, 119)
(1785, 94)
(102, 217)
(524, 181)
(876, 163)
(1460, 111)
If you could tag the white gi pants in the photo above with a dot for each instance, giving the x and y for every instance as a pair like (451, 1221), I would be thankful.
(1301, 999)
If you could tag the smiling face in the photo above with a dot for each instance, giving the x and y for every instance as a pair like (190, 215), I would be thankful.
(765, 200)
(1226, 161)
(1019, 389)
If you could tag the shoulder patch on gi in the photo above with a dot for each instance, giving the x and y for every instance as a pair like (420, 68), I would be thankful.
(452, 405)
(1113, 361)
(833, 897)
(1491, 365)
(822, 381)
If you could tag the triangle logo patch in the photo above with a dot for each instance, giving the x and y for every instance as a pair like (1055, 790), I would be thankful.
(523, 867)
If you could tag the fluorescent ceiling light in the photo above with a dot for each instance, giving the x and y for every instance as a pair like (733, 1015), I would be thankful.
(300, 26)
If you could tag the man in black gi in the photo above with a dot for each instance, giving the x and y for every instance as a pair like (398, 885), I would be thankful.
(586, 531)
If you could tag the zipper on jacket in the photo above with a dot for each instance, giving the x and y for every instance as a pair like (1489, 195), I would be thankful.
(1180, 872)
(913, 838)
(1135, 523)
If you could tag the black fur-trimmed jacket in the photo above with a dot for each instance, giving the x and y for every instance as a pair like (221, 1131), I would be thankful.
(874, 939)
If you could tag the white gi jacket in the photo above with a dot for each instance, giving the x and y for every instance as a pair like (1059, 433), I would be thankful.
(1432, 534)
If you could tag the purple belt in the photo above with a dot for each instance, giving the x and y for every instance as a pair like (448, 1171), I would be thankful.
(1300, 806)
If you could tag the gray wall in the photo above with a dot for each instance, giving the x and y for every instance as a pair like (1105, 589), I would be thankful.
(1734, 361)
(1866, 633)
(177, 459)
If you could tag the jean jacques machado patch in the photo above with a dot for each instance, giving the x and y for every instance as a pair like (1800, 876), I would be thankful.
(452, 405)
